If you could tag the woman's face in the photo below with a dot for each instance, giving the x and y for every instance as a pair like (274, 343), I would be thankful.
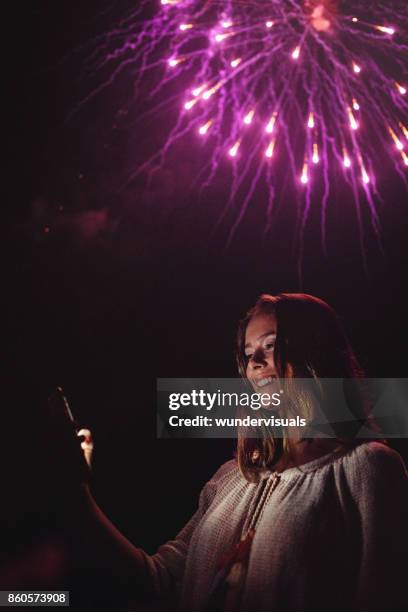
(260, 338)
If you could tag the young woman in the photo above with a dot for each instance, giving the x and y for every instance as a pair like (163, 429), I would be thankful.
(291, 524)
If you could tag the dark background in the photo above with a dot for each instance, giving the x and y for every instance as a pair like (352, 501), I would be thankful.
(109, 284)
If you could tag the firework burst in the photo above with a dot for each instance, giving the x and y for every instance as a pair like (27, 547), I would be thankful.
(312, 92)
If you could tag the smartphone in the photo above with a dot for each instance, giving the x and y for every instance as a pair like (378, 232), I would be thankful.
(61, 416)
(59, 405)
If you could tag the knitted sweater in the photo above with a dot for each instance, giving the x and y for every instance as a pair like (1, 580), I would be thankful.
(332, 536)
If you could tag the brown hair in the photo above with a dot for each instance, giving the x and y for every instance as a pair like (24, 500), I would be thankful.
(310, 343)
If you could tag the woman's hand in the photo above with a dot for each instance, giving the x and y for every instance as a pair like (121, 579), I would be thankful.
(70, 458)
(86, 445)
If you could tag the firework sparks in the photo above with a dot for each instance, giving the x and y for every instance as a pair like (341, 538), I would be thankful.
(269, 150)
(328, 80)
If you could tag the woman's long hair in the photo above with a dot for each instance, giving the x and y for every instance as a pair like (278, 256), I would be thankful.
(312, 344)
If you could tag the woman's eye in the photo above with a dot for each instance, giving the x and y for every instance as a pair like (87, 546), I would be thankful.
(269, 346)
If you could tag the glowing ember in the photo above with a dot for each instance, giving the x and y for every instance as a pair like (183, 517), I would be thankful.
(234, 149)
(204, 128)
(296, 53)
(305, 176)
(271, 124)
(270, 149)
(248, 118)
(315, 157)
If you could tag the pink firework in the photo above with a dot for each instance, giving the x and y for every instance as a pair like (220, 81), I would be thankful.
(313, 92)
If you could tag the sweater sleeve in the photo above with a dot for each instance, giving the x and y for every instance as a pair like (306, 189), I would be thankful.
(166, 566)
(379, 486)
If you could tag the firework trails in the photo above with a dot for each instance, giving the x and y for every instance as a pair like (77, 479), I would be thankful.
(312, 91)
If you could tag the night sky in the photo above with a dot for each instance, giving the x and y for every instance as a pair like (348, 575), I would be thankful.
(110, 283)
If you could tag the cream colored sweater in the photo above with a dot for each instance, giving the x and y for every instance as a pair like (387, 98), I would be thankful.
(333, 536)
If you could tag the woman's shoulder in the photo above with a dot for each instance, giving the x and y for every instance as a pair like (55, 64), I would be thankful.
(374, 465)
(374, 455)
